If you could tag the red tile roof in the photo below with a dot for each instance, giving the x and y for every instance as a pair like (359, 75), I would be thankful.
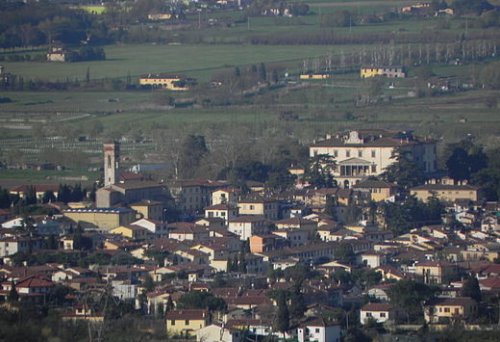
(377, 307)
(191, 314)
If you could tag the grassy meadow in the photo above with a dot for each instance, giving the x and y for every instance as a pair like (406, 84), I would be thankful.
(203, 62)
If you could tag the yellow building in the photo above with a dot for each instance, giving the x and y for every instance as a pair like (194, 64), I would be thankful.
(101, 218)
(259, 206)
(83, 313)
(390, 72)
(165, 81)
(316, 76)
(186, 322)
(152, 210)
(132, 232)
(442, 310)
(446, 192)
(378, 190)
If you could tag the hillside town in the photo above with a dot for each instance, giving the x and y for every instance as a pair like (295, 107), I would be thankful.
(359, 245)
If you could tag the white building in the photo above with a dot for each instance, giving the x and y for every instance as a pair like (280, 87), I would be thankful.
(248, 225)
(223, 211)
(380, 312)
(372, 259)
(155, 227)
(319, 330)
(357, 155)
(215, 333)
(16, 244)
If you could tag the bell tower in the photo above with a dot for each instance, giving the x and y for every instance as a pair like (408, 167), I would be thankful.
(111, 158)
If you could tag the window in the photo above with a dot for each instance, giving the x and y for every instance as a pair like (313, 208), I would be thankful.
(374, 168)
(348, 153)
(317, 330)
(382, 314)
(360, 153)
(252, 207)
(186, 322)
(368, 314)
(172, 322)
(446, 309)
(335, 153)
(374, 153)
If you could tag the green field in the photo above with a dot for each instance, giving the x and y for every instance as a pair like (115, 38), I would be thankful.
(203, 61)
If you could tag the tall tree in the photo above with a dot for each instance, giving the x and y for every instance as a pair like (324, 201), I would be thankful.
(464, 158)
(13, 296)
(193, 149)
(282, 321)
(471, 289)
(409, 296)
(319, 171)
(404, 172)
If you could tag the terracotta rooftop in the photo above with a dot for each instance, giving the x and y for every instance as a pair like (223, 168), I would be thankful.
(187, 314)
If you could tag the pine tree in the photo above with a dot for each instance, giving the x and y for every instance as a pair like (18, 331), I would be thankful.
(149, 284)
(13, 296)
(471, 289)
(170, 304)
(282, 322)
(262, 72)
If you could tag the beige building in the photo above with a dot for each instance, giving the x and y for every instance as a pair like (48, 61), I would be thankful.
(446, 310)
(165, 81)
(259, 206)
(436, 272)
(225, 196)
(379, 190)
(186, 322)
(111, 162)
(295, 237)
(131, 232)
(148, 209)
(101, 218)
(387, 71)
(356, 155)
(58, 53)
(446, 192)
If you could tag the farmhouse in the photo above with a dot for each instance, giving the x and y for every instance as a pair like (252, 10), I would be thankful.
(57, 53)
(166, 81)
(314, 76)
(390, 72)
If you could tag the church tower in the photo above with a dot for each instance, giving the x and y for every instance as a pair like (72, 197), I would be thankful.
(111, 158)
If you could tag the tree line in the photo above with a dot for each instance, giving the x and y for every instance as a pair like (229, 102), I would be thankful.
(66, 193)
